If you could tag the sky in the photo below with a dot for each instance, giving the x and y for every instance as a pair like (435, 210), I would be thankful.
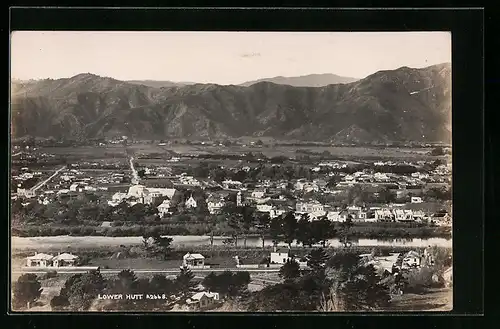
(220, 57)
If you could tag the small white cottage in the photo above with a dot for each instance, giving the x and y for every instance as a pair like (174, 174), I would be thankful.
(39, 260)
(193, 260)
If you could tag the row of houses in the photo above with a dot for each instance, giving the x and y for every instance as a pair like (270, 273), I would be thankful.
(316, 210)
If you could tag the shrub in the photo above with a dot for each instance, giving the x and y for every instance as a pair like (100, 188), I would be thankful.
(50, 274)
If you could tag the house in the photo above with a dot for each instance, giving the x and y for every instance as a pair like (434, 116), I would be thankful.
(309, 207)
(64, 259)
(411, 259)
(117, 198)
(399, 215)
(279, 257)
(416, 199)
(384, 215)
(419, 215)
(191, 202)
(76, 187)
(408, 215)
(259, 193)
(344, 214)
(27, 193)
(164, 207)
(231, 184)
(203, 299)
(333, 216)
(215, 204)
(317, 215)
(39, 260)
(265, 207)
(359, 216)
(441, 218)
(193, 260)
(278, 211)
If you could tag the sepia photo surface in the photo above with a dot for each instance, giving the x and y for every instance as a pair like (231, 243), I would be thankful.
(231, 171)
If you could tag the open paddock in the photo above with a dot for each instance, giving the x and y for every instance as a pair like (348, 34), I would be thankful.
(87, 151)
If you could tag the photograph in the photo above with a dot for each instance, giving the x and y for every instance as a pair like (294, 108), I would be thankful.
(213, 171)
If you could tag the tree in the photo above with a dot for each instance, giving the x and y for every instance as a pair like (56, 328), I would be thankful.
(227, 283)
(333, 181)
(289, 228)
(185, 284)
(316, 260)
(345, 231)
(355, 195)
(235, 222)
(82, 289)
(156, 245)
(127, 281)
(322, 230)
(290, 270)
(304, 233)
(263, 221)
(437, 151)
(355, 285)
(247, 220)
(59, 303)
(275, 230)
(26, 290)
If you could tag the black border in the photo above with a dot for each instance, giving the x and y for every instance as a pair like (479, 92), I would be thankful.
(466, 26)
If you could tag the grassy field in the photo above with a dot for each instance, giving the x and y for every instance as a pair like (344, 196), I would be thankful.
(145, 148)
(93, 151)
(432, 300)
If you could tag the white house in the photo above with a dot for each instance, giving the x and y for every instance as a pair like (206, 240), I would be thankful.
(418, 215)
(258, 193)
(191, 202)
(39, 260)
(214, 204)
(317, 215)
(193, 260)
(333, 216)
(75, 187)
(399, 215)
(164, 207)
(279, 257)
(309, 207)
(408, 215)
(203, 299)
(27, 193)
(277, 211)
(383, 215)
(416, 199)
(411, 259)
(64, 259)
(265, 207)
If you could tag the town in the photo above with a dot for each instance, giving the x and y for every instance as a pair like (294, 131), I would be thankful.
(255, 212)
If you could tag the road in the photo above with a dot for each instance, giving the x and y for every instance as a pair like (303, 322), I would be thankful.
(48, 179)
(18, 153)
(135, 175)
(166, 271)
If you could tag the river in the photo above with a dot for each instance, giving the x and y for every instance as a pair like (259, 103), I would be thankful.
(45, 242)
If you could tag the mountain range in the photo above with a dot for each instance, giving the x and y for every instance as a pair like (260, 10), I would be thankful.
(311, 80)
(405, 104)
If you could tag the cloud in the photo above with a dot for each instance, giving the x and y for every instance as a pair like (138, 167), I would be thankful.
(250, 55)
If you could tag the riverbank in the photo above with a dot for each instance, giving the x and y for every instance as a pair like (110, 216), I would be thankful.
(190, 242)
(359, 230)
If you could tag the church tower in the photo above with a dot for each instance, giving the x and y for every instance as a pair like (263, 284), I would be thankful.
(238, 199)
